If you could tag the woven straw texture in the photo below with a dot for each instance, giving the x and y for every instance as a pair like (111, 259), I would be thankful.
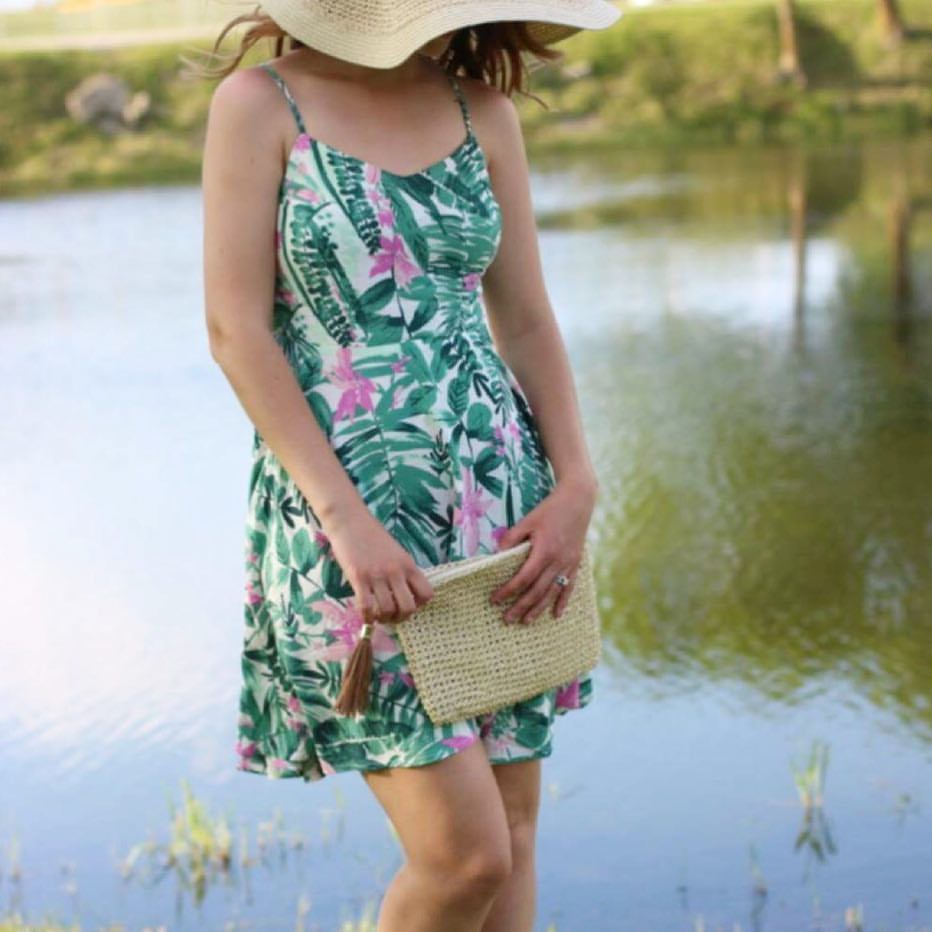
(383, 33)
(466, 660)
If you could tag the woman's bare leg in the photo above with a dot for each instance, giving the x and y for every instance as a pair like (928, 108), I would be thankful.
(514, 906)
(454, 831)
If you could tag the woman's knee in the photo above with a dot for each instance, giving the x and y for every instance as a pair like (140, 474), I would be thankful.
(487, 864)
(451, 820)
(467, 869)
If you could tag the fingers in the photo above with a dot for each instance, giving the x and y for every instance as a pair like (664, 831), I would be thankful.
(366, 604)
(527, 573)
(406, 598)
(374, 599)
(535, 596)
(420, 586)
(560, 605)
(385, 599)
(392, 598)
(541, 589)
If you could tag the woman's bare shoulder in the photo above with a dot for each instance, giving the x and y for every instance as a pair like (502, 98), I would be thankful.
(494, 117)
(244, 115)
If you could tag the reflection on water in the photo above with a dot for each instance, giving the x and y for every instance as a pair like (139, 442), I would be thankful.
(767, 512)
(751, 338)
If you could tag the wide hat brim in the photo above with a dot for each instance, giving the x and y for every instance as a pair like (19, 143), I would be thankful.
(384, 34)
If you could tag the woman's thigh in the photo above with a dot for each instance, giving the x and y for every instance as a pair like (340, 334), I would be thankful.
(446, 811)
(519, 784)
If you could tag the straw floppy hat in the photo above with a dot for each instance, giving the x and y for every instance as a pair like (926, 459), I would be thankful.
(383, 33)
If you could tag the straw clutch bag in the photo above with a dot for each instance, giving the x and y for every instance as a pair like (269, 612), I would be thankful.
(466, 660)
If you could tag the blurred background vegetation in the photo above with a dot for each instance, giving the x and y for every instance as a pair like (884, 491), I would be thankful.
(747, 71)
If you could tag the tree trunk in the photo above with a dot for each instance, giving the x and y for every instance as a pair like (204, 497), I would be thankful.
(789, 66)
(892, 22)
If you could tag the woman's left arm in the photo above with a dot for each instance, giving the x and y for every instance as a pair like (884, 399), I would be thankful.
(526, 334)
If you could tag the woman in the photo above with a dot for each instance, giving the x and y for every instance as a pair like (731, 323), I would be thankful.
(366, 206)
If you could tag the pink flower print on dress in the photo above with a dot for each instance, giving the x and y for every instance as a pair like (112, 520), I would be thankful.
(510, 431)
(498, 533)
(307, 194)
(245, 750)
(253, 596)
(386, 677)
(374, 195)
(459, 741)
(399, 364)
(394, 257)
(320, 538)
(357, 389)
(471, 281)
(346, 624)
(497, 746)
(568, 696)
(500, 437)
(302, 143)
(294, 704)
(471, 508)
(406, 678)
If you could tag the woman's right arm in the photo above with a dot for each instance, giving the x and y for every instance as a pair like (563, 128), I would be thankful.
(241, 173)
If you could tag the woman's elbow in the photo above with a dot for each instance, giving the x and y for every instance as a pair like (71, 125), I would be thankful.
(226, 341)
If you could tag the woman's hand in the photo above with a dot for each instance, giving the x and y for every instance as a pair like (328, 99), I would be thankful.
(387, 584)
(557, 529)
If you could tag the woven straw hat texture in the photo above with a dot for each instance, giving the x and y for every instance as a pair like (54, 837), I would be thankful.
(466, 661)
(383, 33)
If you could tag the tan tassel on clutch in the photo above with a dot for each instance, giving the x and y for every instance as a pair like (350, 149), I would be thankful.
(354, 694)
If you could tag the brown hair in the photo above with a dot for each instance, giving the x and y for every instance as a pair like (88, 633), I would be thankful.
(491, 52)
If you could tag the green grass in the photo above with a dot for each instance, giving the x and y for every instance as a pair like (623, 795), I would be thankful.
(708, 72)
(694, 72)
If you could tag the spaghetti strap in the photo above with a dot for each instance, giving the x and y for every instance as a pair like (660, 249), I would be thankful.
(280, 81)
(461, 98)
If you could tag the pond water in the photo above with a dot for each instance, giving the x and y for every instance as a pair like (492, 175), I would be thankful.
(751, 336)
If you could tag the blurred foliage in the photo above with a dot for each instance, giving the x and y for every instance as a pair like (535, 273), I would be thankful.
(698, 72)
(703, 71)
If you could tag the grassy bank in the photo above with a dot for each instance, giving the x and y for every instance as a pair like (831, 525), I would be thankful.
(680, 73)
(707, 72)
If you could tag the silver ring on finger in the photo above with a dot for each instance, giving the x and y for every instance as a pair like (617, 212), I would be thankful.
(562, 580)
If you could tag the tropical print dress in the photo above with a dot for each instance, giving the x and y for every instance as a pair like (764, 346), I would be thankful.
(377, 308)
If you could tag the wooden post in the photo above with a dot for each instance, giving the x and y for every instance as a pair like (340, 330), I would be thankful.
(789, 66)
(892, 22)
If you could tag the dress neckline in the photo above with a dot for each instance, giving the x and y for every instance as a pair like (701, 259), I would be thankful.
(468, 142)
